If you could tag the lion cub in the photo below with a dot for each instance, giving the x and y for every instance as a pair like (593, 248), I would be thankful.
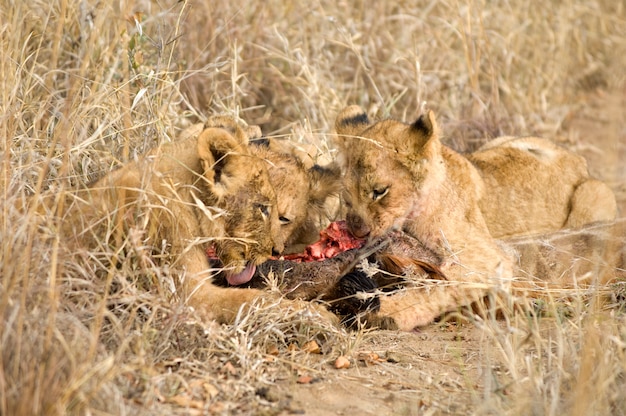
(533, 186)
(205, 190)
(302, 190)
(400, 176)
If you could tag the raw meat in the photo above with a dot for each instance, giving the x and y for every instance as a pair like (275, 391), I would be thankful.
(333, 240)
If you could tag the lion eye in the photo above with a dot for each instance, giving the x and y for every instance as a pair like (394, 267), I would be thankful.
(265, 210)
(284, 220)
(378, 193)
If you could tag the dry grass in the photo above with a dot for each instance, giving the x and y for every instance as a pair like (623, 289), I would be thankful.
(87, 85)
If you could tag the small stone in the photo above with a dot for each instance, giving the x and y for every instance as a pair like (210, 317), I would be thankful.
(342, 362)
(312, 347)
(304, 380)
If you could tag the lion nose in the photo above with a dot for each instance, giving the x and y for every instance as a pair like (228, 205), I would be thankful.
(278, 247)
(357, 226)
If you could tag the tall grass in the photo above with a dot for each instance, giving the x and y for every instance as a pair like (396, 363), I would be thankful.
(86, 86)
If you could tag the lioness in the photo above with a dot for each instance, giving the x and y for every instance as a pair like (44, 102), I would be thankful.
(207, 190)
(400, 176)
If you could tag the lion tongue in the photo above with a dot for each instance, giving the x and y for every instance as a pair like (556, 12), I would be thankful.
(235, 279)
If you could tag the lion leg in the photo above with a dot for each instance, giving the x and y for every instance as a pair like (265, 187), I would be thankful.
(416, 307)
(210, 301)
(420, 302)
(223, 304)
(219, 303)
(592, 201)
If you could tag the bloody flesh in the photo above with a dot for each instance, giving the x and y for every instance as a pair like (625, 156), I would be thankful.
(333, 240)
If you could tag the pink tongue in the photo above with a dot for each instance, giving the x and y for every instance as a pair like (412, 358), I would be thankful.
(235, 279)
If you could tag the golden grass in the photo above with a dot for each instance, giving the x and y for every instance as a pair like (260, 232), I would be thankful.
(88, 85)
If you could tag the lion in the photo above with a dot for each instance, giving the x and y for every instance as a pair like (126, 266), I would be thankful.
(205, 191)
(302, 193)
(303, 190)
(532, 186)
(399, 176)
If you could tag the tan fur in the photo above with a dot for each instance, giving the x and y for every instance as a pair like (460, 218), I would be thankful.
(302, 189)
(301, 194)
(207, 189)
(401, 176)
(533, 186)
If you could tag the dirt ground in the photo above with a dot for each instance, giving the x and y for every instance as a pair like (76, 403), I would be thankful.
(439, 368)
(415, 373)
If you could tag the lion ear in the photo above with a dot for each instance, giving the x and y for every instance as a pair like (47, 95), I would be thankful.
(425, 123)
(425, 131)
(219, 154)
(351, 121)
(243, 134)
(324, 181)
